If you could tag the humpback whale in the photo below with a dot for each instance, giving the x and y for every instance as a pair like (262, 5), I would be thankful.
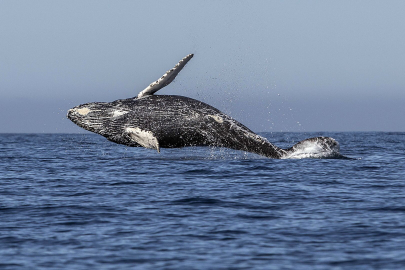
(170, 121)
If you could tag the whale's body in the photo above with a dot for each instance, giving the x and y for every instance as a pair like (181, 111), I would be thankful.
(167, 121)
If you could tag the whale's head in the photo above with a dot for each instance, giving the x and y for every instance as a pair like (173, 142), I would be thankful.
(87, 116)
(95, 117)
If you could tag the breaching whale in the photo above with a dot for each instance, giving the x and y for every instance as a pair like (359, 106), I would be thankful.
(169, 121)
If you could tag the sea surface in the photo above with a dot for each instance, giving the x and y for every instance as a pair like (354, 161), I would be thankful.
(78, 201)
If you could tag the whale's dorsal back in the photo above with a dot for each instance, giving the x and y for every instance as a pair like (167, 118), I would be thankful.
(166, 79)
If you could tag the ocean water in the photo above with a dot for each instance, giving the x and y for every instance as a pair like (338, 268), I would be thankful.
(77, 201)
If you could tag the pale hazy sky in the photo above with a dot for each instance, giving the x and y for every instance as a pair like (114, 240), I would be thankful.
(272, 65)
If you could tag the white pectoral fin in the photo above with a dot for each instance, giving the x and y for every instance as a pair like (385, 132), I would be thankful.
(143, 137)
(167, 78)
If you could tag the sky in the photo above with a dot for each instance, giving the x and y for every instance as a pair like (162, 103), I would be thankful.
(272, 65)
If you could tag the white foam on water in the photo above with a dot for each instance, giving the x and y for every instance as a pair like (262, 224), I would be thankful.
(313, 149)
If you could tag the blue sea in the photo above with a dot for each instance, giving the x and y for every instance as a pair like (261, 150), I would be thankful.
(78, 201)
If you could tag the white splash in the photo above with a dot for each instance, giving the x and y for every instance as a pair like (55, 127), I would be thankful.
(314, 148)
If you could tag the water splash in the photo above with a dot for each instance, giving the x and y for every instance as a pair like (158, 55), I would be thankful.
(319, 147)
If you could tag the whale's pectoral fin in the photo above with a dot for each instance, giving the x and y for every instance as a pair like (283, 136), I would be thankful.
(167, 78)
(143, 137)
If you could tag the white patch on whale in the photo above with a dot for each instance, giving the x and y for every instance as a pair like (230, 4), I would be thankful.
(83, 111)
(143, 137)
(117, 113)
(216, 118)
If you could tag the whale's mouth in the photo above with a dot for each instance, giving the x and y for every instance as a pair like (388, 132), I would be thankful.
(319, 147)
